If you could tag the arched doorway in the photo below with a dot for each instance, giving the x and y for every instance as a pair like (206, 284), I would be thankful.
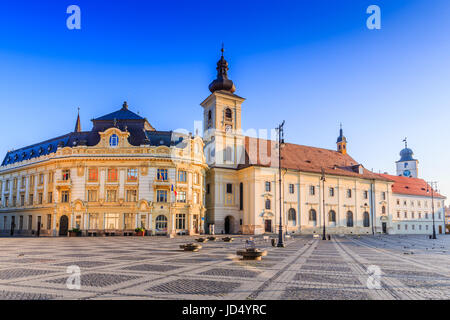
(63, 225)
(229, 224)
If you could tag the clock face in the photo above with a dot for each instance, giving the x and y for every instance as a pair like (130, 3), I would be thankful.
(407, 173)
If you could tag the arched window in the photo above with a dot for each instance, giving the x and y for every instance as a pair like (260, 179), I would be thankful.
(228, 114)
(332, 216)
(161, 223)
(114, 140)
(312, 215)
(349, 219)
(268, 204)
(209, 115)
(383, 209)
(366, 219)
(292, 217)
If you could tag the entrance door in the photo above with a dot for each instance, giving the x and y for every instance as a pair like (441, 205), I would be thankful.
(63, 225)
(440, 229)
(228, 225)
(268, 225)
(195, 223)
(13, 224)
(384, 226)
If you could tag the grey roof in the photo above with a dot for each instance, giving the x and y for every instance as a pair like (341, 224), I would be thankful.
(123, 119)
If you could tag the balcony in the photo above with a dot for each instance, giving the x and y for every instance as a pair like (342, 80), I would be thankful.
(162, 183)
(64, 183)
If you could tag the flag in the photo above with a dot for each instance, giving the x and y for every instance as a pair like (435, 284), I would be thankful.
(173, 190)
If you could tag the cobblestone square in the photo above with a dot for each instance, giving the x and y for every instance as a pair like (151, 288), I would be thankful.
(347, 267)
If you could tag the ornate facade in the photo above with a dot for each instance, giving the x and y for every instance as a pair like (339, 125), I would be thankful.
(121, 175)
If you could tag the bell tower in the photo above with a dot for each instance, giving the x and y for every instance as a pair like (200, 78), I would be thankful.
(341, 142)
(407, 166)
(224, 143)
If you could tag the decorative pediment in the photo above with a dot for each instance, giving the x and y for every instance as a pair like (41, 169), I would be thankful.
(114, 138)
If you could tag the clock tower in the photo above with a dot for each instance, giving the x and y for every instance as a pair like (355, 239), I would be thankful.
(407, 166)
(224, 142)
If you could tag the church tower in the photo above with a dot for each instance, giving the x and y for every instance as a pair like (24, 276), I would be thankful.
(341, 142)
(407, 166)
(224, 143)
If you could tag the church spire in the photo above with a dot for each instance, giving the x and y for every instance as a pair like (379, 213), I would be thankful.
(222, 82)
(78, 123)
(341, 142)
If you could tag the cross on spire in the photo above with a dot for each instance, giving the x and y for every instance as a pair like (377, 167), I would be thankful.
(406, 142)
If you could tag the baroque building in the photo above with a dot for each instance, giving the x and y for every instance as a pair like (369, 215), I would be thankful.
(242, 194)
(120, 175)
(414, 200)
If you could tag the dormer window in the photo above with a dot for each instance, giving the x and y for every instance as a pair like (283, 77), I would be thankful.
(114, 141)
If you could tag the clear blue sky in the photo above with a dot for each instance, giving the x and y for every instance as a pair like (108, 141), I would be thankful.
(313, 63)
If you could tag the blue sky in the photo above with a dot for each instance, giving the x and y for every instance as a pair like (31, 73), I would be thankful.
(312, 63)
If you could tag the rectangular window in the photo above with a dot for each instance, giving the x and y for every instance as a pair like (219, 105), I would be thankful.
(30, 200)
(349, 193)
(21, 223)
(7, 185)
(312, 190)
(366, 194)
(30, 222)
(291, 188)
(93, 174)
(6, 201)
(181, 221)
(128, 221)
(132, 174)
(50, 197)
(412, 215)
(14, 202)
(41, 179)
(267, 186)
(50, 177)
(229, 188)
(22, 200)
(398, 214)
(398, 202)
(161, 175)
(181, 196)
(65, 196)
(49, 222)
(40, 198)
(161, 195)
(112, 175)
(331, 190)
(208, 189)
(111, 195)
(93, 221)
(181, 177)
(92, 195)
(383, 195)
(66, 175)
(131, 195)
(398, 227)
(112, 221)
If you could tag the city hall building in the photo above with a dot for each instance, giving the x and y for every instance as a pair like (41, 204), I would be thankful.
(120, 175)
(124, 174)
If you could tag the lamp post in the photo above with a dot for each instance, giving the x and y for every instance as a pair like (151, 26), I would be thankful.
(322, 178)
(432, 184)
(280, 130)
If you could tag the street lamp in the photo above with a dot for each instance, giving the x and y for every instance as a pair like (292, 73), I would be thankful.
(280, 130)
(322, 178)
(432, 204)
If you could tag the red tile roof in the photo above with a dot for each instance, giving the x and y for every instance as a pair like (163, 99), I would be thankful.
(261, 152)
(411, 186)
